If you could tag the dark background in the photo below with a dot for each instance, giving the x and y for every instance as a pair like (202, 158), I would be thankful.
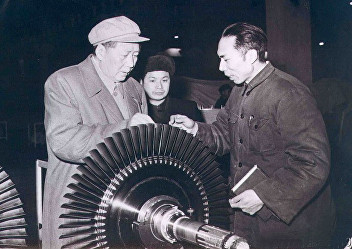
(40, 37)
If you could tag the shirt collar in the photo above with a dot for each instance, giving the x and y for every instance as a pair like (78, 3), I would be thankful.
(261, 76)
(249, 80)
(110, 84)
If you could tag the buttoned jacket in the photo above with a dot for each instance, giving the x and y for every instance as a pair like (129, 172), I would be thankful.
(274, 123)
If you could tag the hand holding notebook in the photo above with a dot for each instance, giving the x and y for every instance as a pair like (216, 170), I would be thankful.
(254, 176)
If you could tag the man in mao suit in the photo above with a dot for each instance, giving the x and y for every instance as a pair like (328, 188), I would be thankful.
(270, 120)
(84, 104)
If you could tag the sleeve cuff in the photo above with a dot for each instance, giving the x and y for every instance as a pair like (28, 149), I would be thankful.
(194, 130)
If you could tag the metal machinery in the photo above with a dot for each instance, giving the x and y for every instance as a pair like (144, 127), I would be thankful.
(12, 217)
(149, 186)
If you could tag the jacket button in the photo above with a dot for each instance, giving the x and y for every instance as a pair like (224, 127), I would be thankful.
(240, 164)
(255, 126)
(242, 116)
(247, 93)
(241, 140)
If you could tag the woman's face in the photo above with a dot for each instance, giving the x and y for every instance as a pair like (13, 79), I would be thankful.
(156, 85)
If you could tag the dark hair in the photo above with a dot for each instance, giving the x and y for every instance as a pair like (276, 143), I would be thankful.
(248, 37)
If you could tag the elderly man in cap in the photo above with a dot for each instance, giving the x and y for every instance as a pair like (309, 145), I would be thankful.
(84, 104)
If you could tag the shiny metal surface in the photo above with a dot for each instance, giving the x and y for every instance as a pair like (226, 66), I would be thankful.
(137, 187)
(12, 217)
(169, 224)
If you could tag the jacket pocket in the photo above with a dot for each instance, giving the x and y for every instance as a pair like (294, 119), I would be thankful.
(232, 122)
(261, 135)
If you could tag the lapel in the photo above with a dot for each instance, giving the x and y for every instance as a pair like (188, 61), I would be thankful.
(134, 101)
(95, 87)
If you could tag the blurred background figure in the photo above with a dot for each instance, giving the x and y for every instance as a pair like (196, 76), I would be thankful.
(156, 82)
(225, 91)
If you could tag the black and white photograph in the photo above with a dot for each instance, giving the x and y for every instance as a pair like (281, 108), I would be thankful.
(176, 124)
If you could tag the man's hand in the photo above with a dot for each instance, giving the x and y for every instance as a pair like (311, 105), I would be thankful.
(140, 118)
(184, 123)
(248, 201)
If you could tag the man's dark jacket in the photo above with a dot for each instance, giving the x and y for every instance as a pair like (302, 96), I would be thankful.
(274, 123)
(171, 106)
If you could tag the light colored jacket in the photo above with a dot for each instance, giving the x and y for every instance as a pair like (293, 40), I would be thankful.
(79, 113)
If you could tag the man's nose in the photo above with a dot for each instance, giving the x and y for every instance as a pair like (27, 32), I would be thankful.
(222, 66)
(159, 84)
(131, 61)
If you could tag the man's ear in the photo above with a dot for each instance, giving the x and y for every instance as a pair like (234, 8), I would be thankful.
(100, 51)
(251, 56)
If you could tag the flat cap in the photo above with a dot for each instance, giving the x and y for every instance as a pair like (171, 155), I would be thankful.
(120, 28)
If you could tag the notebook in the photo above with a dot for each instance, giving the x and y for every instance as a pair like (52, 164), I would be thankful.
(254, 176)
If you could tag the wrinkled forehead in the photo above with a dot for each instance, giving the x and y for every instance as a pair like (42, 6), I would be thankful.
(128, 46)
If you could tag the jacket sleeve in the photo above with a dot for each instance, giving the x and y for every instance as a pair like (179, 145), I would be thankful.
(193, 112)
(216, 135)
(67, 136)
(306, 169)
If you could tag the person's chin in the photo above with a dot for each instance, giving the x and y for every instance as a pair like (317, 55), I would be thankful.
(158, 97)
(121, 77)
(237, 81)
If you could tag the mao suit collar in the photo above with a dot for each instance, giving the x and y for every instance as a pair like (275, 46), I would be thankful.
(261, 76)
